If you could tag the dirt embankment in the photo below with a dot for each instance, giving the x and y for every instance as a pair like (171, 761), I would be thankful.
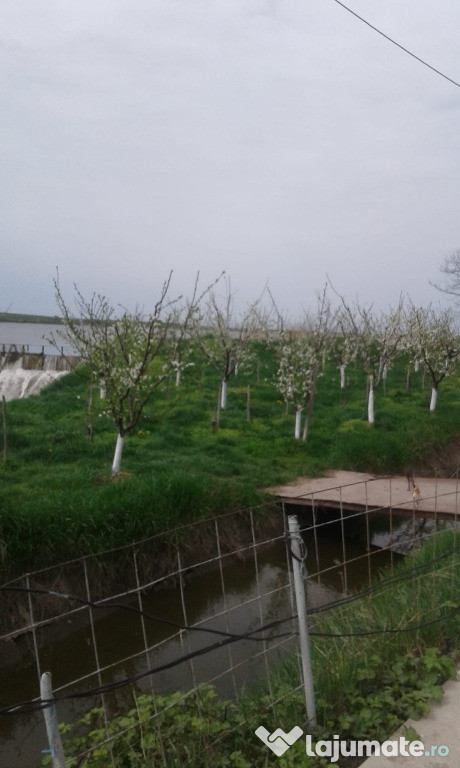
(443, 462)
(122, 573)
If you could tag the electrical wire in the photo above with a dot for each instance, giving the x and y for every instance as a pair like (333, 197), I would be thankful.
(395, 579)
(389, 581)
(38, 705)
(402, 47)
(34, 705)
(131, 608)
(389, 630)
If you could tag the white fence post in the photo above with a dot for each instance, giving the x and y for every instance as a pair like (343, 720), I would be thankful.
(297, 554)
(56, 749)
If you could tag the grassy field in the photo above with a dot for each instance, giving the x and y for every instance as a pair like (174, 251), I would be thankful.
(57, 500)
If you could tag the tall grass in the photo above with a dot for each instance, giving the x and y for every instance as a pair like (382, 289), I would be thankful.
(56, 500)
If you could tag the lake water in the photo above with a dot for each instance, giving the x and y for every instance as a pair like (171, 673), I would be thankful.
(35, 336)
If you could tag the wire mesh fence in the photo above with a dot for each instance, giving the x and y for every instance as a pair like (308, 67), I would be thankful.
(211, 603)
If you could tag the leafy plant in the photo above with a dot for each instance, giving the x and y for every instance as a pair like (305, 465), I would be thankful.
(200, 729)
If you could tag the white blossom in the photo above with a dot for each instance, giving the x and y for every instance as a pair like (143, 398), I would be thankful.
(432, 343)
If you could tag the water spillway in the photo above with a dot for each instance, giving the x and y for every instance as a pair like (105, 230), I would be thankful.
(26, 368)
(20, 379)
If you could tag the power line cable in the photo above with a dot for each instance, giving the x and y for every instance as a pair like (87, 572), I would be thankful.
(389, 581)
(389, 630)
(38, 705)
(131, 608)
(394, 579)
(402, 47)
(34, 705)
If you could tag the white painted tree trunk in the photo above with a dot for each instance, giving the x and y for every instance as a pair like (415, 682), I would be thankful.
(370, 402)
(434, 398)
(298, 420)
(408, 379)
(306, 425)
(177, 377)
(416, 366)
(384, 378)
(223, 394)
(342, 376)
(101, 389)
(117, 456)
(236, 370)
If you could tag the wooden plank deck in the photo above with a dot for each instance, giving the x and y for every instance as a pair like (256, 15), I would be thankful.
(356, 491)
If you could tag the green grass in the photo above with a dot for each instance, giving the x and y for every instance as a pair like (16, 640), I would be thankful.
(54, 505)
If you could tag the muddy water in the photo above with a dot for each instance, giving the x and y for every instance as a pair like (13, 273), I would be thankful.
(120, 634)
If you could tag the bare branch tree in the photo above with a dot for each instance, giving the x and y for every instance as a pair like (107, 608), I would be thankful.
(450, 268)
(300, 357)
(130, 353)
(344, 344)
(377, 339)
(224, 336)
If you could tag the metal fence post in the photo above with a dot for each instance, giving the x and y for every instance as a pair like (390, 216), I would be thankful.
(297, 554)
(56, 749)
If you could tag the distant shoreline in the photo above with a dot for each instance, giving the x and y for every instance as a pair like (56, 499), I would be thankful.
(15, 317)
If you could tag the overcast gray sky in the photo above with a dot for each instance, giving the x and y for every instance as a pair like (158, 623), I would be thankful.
(279, 140)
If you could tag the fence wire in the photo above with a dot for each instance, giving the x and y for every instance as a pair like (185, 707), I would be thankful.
(209, 603)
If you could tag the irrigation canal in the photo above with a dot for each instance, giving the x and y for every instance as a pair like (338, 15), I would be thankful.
(119, 635)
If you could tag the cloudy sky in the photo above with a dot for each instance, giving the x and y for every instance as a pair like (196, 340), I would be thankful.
(280, 140)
